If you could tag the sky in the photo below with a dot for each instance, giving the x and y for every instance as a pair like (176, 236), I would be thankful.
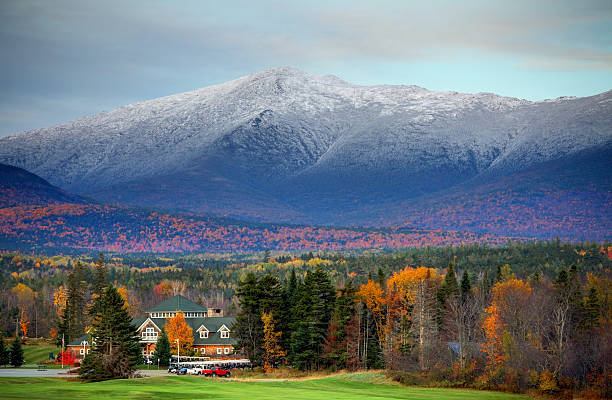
(64, 59)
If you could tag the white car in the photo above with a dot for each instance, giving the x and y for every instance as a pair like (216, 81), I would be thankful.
(197, 370)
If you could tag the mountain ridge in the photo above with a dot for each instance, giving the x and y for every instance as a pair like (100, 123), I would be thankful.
(283, 145)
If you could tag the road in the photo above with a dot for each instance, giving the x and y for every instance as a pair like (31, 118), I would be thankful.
(34, 373)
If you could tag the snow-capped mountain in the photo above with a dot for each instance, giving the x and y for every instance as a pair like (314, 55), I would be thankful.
(283, 143)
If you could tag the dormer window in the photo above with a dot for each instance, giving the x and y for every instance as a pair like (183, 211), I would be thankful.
(149, 333)
(203, 334)
(224, 334)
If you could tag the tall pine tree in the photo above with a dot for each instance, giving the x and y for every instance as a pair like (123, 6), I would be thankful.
(248, 326)
(16, 356)
(313, 311)
(98, 285)
(116, 351)
(4, 353)
(162, 349)
(73, 320)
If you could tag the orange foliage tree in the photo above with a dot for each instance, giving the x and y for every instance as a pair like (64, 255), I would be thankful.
(504, 317)
(177, 329)
(24, 323)
(408, 294)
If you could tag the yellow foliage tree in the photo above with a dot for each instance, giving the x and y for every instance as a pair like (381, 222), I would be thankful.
(59, 300)
(177, 329)
(24, 294)
(123, 291)
(272, 352)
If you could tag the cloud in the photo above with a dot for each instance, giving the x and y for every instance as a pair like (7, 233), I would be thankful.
(114, 52)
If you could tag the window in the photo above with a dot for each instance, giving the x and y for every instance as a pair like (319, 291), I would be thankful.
(203, 350)
(149, 333)
(82, 351)
(224, 334)
(87, 351)
(203, 334)
(226, 350)
(219, 350)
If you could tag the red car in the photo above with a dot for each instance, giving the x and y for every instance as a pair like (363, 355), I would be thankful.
(216, 371)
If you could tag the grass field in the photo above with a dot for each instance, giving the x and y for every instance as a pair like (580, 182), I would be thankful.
(346, 386)
(36, 354)
(35, 351)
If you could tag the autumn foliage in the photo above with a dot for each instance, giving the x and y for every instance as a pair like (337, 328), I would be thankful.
(179, 333)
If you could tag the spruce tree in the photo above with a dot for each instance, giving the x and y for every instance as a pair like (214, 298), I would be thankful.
(313, 311)
(116, 351)
(336, 348)
(162, 349)
(248, 327)
(591, 311)
(380, 275)
(73, 321)
(16, 356)
(466, 286)
(449, 288)
(4, 353)
(98, 284)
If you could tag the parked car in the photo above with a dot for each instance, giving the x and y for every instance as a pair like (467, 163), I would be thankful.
(182, 371)
(216, 371)
(197, 370)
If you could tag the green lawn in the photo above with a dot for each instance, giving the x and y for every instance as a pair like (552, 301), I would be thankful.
(348, 386)
(36, 354)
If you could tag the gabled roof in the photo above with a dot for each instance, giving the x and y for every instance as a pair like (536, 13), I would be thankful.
(79, 341)
(213, 324)
(178, 303)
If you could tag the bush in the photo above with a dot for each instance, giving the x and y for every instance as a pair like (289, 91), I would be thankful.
(407, 378)
(548, 383)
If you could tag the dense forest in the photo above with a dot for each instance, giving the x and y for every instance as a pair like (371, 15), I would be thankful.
(122, 229)
(508, 294)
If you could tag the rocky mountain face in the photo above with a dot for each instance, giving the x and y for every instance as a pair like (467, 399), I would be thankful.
(286, 146)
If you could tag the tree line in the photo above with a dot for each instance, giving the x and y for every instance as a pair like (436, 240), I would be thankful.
(493, 331)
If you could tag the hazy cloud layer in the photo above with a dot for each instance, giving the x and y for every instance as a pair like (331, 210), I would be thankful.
(63, 59)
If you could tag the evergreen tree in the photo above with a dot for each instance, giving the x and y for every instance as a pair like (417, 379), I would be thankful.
(591, 310)
(336, 347)
(313, 311)
(466, 285)
(98, 285)
(248, 326)
(286, 320)
(449, 288)
(269, 295)
(498, 275)
(116, 351)
(16, 356)
(162, 349)
(72, 322)
(4, 352)
(382, 279)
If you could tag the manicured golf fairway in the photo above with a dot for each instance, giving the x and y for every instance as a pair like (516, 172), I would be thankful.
(192, 387)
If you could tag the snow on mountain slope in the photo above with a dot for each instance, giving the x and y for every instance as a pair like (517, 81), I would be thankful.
(308, 145)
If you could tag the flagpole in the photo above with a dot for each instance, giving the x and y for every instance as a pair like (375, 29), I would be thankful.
(62, 351)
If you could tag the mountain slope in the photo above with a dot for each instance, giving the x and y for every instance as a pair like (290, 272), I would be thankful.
(19, 187)
(284, 145)
(49, 217)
